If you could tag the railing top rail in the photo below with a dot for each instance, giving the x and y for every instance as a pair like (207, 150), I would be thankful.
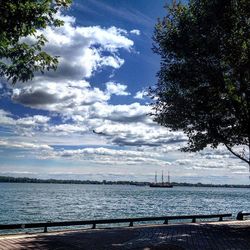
(108, 221)
(246, 213)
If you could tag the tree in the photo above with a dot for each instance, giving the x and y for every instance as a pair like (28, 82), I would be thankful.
(19, 19)
(203, 84)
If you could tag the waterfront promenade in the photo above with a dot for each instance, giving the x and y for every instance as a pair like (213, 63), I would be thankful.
(228, 235)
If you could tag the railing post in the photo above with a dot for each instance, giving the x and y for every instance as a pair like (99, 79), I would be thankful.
(131, 224)
(220, 218)
(165, 221)
(94, 226)
(46, 227)
(239, 216)
(193, 220)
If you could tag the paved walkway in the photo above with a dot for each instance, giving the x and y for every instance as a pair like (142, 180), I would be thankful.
(233, 235)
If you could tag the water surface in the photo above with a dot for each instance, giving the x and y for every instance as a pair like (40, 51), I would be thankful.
(28, 202)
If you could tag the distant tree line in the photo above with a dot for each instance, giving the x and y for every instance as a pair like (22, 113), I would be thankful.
(8, 179)
(56, 181)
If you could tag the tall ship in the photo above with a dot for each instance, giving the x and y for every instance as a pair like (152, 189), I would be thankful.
(161, 184)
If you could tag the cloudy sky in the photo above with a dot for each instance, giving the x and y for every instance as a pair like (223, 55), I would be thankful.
(89, 119)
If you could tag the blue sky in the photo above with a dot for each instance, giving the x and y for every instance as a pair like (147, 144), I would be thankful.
(89, 119)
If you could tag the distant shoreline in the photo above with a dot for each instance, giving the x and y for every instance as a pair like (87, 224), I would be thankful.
(9, 179)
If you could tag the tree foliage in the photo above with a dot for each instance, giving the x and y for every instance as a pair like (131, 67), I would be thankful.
(203, 84)
(19, 19)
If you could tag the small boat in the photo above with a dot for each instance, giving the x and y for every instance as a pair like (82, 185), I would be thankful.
(161, 184)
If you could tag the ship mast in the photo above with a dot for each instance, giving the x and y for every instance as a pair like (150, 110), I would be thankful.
(155, 176)
(162, 178)
(168, 177)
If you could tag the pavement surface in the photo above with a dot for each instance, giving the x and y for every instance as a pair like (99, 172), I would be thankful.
(233, 235)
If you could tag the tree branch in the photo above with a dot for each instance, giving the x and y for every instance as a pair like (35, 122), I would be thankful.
(237, 155)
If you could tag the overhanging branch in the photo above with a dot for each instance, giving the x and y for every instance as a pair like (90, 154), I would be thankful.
(237, 155)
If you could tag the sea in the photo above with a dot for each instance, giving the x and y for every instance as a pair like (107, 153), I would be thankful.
(28, 202)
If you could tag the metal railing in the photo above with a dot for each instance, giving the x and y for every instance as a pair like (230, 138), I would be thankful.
(131, 221)
(240, 215)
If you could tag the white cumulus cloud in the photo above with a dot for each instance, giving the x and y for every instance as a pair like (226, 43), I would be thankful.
(135, 32)
(140, 94)
(82, 52)
(116, 89)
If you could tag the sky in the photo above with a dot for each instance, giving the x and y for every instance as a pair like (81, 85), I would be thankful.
(90, 119)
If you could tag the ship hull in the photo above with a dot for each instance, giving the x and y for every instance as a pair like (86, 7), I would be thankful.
(160, 186)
